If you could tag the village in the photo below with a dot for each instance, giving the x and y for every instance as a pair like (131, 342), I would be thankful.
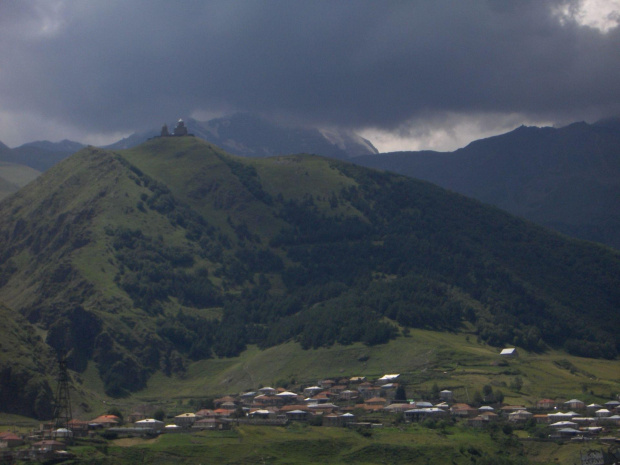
(350, 402)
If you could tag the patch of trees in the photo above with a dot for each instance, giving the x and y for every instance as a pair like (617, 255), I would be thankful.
(24, 392)
(248, 177)
(72, 334)
(152, 271)
(433, 263)
(408, 254)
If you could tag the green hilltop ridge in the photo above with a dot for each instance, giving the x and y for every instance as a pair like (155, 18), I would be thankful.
(142, 261)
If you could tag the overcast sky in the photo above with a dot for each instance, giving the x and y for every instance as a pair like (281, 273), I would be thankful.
(407, 74)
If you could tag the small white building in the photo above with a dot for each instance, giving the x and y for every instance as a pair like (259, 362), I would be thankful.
(509, 352)
(602, 413)
(185, 420)
(150, 423)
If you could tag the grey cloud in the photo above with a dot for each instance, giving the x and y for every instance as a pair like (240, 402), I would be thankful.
(104, 66)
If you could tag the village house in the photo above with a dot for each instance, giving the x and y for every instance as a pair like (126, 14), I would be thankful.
(463, 410)
(185, 420)
(491, 416)
(297, 415)
(574, 404)
(478, 422)
(10, 439)
(320, 398)
(423, 404)
(231, 401)
(326, 383)
(223, 412)
(337, 389)
(323, 408)
(364, 385)
(105, 421)
(509, 352)
(593, 408)
(486, 409)
(545, 404)
(560, 416)
(520, 416)
(566, 433)
(390, 378)
(602, 413)
(267, 400)
(150, 423)
(267, 391)
(421, 414)
(312, 391)
(397, 408)
(563, 424)
(347, 395)
(613, 405)
(507, 409)
(78, 427)
(541, 419)
(262, 414)
(613, 420)
(205, 413)
(376, 401)
(247, 397)
(287, 397)
(369, 393)
(206, 424)
(338, 420)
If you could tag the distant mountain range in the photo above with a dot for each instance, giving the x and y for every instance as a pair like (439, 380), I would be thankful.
(140, 261)
(567, 179)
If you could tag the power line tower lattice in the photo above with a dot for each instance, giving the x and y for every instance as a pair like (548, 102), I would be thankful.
(62, 405)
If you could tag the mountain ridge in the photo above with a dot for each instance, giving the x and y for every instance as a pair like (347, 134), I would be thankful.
(566, 178)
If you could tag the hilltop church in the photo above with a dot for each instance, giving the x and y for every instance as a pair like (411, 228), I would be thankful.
(179, 131)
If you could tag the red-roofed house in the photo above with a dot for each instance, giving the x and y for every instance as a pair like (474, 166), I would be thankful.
(107, 420)
(11, 439)
(545, 404)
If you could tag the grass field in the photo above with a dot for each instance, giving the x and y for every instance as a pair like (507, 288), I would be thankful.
(452, 361)
(302, 444)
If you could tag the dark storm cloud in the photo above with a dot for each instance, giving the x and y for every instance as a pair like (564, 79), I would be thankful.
(105, 66)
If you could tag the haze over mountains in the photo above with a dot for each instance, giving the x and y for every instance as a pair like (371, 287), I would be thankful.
(144, 260)
(249, 135)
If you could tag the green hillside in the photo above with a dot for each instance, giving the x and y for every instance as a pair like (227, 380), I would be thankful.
(567, 179)
(25, 365)
(13, 177)
(151, 260)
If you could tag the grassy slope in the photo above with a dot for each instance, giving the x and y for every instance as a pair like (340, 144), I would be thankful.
(299, 444)
(426, 357)
(13, 177)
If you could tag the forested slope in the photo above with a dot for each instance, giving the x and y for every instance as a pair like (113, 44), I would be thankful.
(144, 259)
